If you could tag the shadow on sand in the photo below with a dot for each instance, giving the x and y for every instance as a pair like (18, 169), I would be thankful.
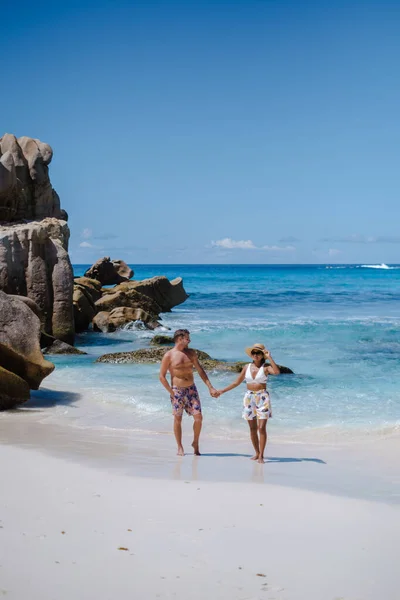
(280, 459)
(44, 398)
(224, 454)
(286, 459)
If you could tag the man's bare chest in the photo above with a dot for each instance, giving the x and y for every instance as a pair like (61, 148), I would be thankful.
(181, 361)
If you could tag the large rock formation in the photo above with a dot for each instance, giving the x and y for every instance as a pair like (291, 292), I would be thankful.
(22, 366)
(34, 235)
(34, 262)
(25, 188)
(109, 272)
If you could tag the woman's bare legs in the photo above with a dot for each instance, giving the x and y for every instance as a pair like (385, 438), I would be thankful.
(254, 438)
(262, 432)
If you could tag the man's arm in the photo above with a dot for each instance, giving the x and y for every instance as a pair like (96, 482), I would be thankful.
(203, 374)
(272, 368)
(163, 372)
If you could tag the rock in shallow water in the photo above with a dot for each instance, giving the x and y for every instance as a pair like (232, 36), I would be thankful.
(162, 340)
(155, 355)
(59, 347)
(119, 317)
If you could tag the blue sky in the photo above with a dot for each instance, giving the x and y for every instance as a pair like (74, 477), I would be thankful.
(214, 132)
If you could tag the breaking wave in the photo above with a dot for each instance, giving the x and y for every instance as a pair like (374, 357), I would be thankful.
(381, 266)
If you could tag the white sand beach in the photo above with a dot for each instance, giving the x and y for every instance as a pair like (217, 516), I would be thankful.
(103, 514)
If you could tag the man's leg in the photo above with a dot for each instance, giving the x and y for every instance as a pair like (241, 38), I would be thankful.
(193, 408)
(197, 423)
(254, 438)
(262, 430)
(178, 434)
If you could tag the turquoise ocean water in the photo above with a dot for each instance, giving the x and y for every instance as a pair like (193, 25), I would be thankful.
(336, 326)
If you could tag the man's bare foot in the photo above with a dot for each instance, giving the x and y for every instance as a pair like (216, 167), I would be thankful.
(255, 457)
(196, 449)
(181, 451)
(261, 460)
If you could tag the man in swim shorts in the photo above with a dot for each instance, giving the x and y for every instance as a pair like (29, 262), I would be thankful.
(179, 362)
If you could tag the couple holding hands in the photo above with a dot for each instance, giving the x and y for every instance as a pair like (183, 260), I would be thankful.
(179, 362)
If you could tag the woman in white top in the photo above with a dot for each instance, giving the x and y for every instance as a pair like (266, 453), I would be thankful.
(256, 403)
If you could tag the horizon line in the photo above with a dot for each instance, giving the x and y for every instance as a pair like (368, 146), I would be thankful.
(250, 264)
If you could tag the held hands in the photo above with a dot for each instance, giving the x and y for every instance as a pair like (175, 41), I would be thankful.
(214, 393)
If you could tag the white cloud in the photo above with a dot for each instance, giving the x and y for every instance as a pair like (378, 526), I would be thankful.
(86, 233)
(227, 243)
(86, 245)
(334, 252)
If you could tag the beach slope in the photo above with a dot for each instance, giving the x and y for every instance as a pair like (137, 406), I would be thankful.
(74, 531)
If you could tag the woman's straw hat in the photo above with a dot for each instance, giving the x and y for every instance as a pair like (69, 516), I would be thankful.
(250, 349)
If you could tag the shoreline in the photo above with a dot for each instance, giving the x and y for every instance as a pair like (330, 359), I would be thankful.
(127, 409)
(364, 469)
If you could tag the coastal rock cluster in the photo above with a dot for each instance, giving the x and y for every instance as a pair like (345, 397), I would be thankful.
(110, 308)
(41, 304)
